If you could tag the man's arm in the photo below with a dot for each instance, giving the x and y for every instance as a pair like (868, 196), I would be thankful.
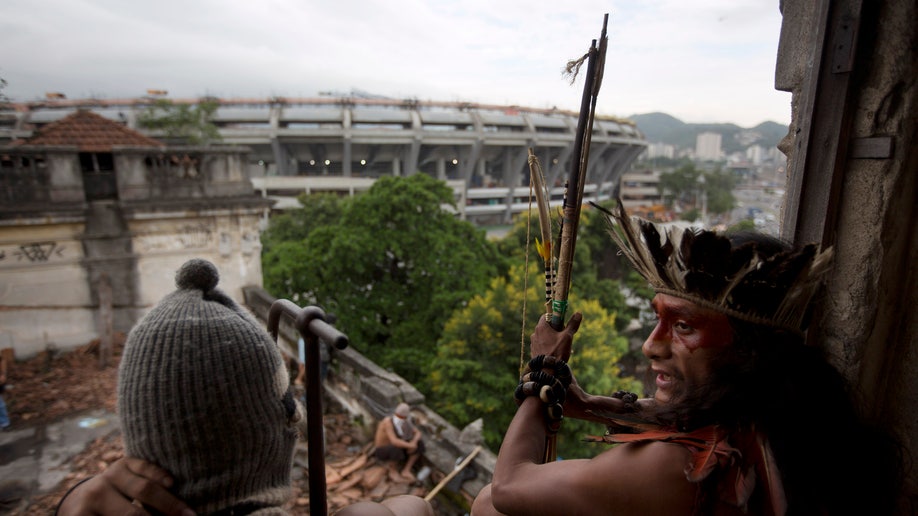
(579, 404)
(627, 479)
(394, 439)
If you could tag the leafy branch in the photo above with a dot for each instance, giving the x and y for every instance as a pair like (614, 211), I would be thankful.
(191, 122)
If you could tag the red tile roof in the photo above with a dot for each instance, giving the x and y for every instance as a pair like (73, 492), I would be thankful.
(90, 133)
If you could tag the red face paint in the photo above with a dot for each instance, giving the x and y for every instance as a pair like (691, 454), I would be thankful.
(681, 347)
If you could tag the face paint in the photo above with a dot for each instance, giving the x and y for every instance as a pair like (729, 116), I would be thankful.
(682, 345)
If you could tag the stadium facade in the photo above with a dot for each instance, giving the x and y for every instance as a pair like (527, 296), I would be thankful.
(342, 144)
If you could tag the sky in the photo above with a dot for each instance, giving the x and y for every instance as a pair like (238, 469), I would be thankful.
(698, 60)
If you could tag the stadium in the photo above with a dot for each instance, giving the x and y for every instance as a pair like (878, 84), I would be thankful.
(343, 143)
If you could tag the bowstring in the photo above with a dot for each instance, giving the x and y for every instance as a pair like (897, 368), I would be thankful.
(525, 281)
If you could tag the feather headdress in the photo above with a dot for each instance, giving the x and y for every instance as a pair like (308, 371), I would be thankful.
(706, 268)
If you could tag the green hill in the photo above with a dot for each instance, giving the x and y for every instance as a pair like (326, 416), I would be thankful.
(663, 128)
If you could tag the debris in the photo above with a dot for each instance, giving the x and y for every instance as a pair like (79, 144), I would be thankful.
(54, 386)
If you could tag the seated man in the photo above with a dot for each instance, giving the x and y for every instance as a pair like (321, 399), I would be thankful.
(208, 419)
(398, 440)
(746, 418)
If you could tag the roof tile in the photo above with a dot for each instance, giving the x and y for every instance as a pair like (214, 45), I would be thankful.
(90, 133)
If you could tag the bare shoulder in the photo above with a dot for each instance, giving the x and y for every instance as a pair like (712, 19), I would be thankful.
(635, 478)
(651, 474)
(382, 430)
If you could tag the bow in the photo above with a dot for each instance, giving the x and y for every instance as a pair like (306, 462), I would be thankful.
(573, 195)
(558, 280)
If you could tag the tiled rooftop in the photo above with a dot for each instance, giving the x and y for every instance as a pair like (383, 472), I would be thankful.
(90, 133)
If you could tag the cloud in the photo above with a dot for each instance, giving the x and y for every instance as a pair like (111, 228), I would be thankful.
(704, 60)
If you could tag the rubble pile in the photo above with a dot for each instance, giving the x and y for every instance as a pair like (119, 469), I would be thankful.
(52, 386)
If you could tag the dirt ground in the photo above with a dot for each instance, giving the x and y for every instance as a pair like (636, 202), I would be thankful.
(53, 385)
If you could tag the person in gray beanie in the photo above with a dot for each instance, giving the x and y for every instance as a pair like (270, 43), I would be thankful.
(201, 387)
(207, 414)
(203, 393)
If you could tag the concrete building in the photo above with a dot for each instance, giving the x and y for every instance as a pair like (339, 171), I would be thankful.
(94, 216)
(640, 188)
(342, 144)
(757, 154)
(660, 150)
(708, 147)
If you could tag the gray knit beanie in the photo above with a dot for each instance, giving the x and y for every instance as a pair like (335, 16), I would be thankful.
(203, 392)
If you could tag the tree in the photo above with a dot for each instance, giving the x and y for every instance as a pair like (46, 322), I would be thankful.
(284, 243)
(190, 122)
(598, 268)
(316, 210)
(393, 267)
(680, 185)
(477, 366)
(684, 186)
(743, 225)
(718, 186)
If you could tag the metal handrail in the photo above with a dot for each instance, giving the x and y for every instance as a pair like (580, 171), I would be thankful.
(310, 322)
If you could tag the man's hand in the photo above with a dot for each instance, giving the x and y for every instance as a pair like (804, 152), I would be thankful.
(545, 340)
(124, 481)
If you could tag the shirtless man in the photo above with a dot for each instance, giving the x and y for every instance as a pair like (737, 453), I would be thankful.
(746, 418)
(398, 440)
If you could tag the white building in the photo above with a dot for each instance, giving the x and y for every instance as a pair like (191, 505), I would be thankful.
(708, 147)
(660, 150)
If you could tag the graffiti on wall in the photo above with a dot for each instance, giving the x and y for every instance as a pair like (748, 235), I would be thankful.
(189, 236)
(33, 252)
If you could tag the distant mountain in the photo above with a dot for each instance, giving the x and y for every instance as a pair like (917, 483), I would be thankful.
(663, 128)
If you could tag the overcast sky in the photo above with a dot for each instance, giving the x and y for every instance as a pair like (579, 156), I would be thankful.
(698, 60)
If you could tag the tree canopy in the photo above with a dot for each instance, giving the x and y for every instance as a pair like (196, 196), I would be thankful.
(391, 263)
(426, 295)
(478, 360)
(597, 269)
(689, 187)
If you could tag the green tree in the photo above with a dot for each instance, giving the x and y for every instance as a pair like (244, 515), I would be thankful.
(686, 187)
(598, 267)
(315, 211)
(743, 225)
(393, 267)
(478, 359)
(284, 244)
(718, 186)
(190, 122)
(680, 185)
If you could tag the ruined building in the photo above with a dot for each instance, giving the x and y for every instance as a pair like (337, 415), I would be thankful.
(94, 216)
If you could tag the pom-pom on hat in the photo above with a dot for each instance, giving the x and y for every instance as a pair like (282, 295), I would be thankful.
(203, 393)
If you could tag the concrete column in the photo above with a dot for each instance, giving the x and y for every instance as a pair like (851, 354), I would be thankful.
(441, 168)
(346, 157)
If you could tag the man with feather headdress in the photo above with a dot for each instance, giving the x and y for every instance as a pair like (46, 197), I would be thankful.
(746, 418)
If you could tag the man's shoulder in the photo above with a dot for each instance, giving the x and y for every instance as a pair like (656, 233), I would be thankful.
(663, 458)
